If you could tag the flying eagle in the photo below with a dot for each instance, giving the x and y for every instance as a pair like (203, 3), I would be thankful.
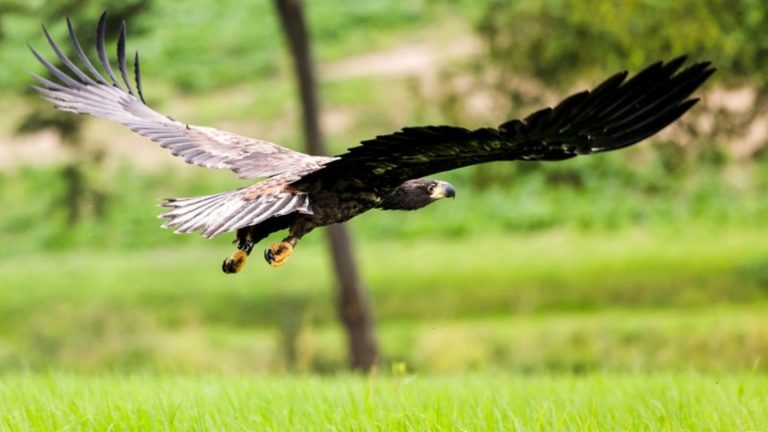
(300, 192)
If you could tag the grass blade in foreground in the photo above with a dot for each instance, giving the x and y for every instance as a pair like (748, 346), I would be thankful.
(591, 402)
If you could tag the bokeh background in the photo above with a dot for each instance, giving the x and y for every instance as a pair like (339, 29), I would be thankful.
(649, 259)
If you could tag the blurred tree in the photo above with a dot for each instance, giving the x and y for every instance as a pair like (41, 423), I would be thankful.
(353, 303)
(557, 40)
(80, 191)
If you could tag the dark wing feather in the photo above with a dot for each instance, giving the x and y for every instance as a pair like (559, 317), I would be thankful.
(616, 114)
(89, 92)
(101, 31)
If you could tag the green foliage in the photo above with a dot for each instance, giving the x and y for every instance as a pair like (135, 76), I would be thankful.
(555, 40)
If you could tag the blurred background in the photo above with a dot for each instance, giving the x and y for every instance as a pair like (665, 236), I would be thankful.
(652, 258)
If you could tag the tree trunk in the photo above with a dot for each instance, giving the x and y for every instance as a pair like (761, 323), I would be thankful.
(353, 304)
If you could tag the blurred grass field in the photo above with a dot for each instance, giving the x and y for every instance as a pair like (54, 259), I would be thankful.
(559, 301)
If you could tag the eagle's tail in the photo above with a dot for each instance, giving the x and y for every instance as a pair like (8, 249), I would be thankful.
(229, 211)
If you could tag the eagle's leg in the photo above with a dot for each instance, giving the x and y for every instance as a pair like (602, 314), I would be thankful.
(278, 253)
(235, 262)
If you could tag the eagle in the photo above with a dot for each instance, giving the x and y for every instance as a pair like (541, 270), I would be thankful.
(300, 192)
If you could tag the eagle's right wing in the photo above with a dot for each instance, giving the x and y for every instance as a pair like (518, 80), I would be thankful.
(616, 114)
(89, 92)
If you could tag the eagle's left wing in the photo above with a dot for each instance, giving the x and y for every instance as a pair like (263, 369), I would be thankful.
(616, 114)
(87, 91)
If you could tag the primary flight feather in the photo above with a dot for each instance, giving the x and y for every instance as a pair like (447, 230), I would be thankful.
(302, 192)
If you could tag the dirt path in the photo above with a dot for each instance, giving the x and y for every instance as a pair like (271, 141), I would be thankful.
(418, 59)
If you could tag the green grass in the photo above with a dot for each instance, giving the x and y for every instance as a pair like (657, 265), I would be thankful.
(412, 278)
(555, 301)
(661, 402)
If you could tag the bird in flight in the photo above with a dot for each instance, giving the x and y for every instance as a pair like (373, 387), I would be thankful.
(300, 192)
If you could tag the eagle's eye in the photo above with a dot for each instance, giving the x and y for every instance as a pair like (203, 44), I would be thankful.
(431, 188)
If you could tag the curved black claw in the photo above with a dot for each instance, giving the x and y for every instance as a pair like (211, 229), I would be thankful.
(234, 263)
(278, 253)
(226, 266)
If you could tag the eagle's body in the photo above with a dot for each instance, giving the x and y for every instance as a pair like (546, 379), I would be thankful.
(301, 192)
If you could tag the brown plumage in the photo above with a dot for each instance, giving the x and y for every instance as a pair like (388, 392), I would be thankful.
(302, 192)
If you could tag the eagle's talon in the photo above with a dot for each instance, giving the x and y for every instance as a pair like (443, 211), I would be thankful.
(235, 262)
(278, 253)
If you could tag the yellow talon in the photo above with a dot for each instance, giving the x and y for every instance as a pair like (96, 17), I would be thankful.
(278, 253)
(235, 262)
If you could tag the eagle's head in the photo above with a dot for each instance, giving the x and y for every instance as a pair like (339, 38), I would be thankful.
(415, 194)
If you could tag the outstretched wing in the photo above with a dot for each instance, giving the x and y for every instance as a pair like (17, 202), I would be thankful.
(616, 114)
(87, 91)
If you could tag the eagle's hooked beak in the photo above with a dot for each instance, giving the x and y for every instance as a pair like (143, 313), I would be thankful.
(443, 190)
